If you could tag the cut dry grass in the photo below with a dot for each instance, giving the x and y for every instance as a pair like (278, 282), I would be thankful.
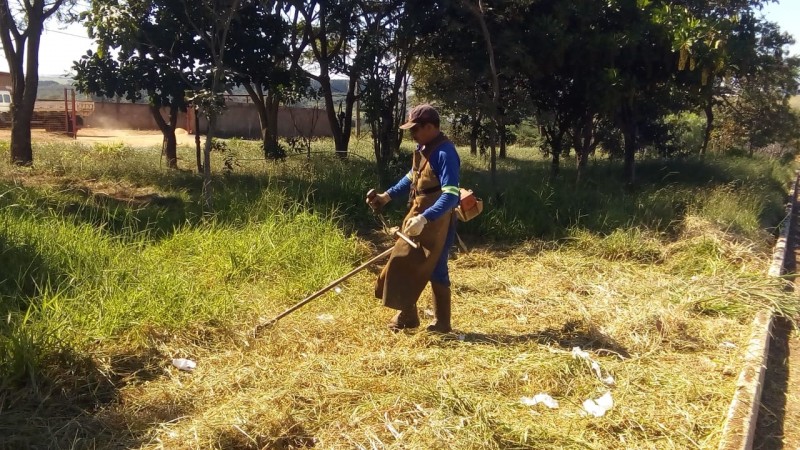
(120, 286)
(331, 376)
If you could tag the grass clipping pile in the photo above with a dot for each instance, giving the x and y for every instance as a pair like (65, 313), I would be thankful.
(670, 329)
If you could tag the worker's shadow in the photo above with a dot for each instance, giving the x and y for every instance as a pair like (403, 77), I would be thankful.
(571, 334)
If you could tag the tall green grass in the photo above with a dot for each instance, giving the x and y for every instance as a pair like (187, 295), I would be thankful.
(85, 281)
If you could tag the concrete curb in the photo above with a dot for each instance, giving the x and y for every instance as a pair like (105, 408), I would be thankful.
(739, 430)
(740, 424)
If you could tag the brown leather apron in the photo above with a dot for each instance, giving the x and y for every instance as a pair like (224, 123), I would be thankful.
(408, 270)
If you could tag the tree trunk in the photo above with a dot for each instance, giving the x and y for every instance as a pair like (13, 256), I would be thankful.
(340, 140)
(270, 132)
(477, 11)
(502, 130)
(347, 117)
(631, 145)
(267, 108)
(474, 134)
(197, 141)
(268, 117)
(25, 83)
(208, 194)
(383, 142)
(709, 110)
(554, 138)
(21, 149)
(555, 164)
(582, 138)
(170, 145)
(627, 124)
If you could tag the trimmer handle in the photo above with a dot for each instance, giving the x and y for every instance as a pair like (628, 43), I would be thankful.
(371, 194)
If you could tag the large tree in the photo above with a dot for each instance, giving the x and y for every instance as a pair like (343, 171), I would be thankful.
(324, 36)
(261, 61)
(211, 21)
(713, 41)
(140, 54)
(456, 92)
(394, 33)
(755, 109)
(21, 25)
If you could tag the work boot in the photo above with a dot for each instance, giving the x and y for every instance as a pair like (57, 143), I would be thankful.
(441, 309)
(406, 318)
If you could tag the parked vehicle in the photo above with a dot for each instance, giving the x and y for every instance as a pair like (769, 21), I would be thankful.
(52, 115)
(5, 102)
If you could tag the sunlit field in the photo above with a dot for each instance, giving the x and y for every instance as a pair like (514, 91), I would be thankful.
(109, 270)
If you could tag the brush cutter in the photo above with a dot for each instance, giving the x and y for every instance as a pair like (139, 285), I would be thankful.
(344, 277)
(394, 232)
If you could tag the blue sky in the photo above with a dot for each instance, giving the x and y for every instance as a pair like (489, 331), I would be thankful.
(787, 15)
(61, 45)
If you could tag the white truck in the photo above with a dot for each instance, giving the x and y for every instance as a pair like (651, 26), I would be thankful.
(52, 115)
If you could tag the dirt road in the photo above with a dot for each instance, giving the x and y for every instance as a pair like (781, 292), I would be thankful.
(133, 138)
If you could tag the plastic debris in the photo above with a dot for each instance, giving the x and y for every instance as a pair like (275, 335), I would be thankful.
(325, 318)
(600, 406)
(578, 353)
(184, 364)
(542, 398)
(337, 289)
(581, 354)
(728, 345)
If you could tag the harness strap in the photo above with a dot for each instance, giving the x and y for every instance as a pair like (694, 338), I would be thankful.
(430, 190)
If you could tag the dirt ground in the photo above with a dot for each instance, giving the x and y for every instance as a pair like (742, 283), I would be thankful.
(779, 415)
(133, 138)
(778, 425)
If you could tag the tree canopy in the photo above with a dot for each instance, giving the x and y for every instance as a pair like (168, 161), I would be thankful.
(609, 77)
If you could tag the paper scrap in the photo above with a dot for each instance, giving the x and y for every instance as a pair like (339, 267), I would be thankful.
(581, 354)
(599, 407)
(542, 398)
(184, 364)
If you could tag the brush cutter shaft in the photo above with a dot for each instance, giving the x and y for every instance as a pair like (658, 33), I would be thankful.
(329, 287)
(407, 239)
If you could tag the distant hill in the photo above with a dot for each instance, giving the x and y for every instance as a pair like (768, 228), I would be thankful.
(51, 87)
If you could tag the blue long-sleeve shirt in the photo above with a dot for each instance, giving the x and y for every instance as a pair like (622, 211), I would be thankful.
(446, 164)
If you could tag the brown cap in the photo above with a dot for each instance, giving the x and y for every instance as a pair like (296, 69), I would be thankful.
(421, 114)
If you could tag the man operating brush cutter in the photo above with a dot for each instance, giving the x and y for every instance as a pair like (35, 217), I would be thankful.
(432, 188)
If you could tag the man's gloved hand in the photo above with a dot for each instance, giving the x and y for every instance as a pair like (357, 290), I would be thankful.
(414, 225)
(378, 201)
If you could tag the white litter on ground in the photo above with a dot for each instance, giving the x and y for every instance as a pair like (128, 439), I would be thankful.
(580, 354)
(325, 318)
(542, 398)
(600, 406)
(184, 364)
